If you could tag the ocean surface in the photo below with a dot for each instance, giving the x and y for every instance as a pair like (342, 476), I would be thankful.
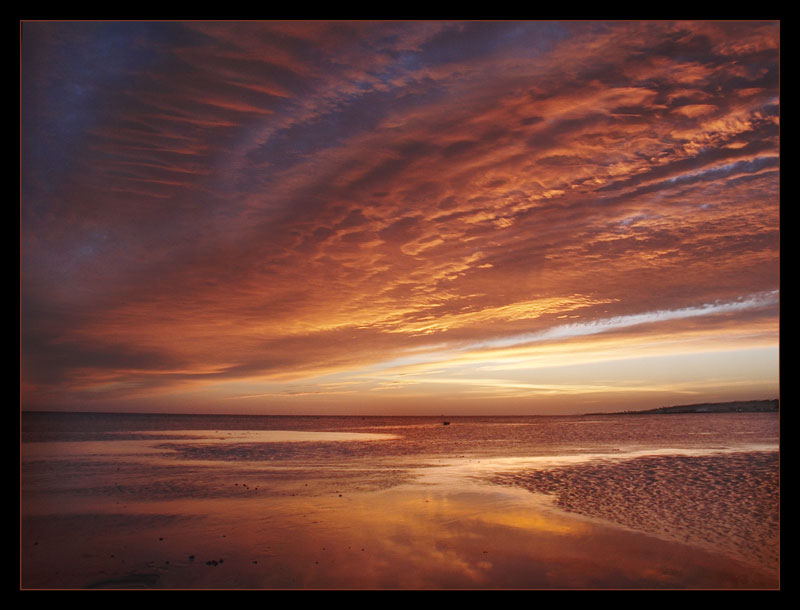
(284, 502)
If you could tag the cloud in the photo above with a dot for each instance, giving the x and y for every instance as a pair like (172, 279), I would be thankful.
(650, 317)
(233, 200)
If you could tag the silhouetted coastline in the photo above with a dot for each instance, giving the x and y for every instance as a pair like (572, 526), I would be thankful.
(740, 406)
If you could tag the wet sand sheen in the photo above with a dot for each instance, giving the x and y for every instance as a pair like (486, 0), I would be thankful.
(242, 509)
(406, 537)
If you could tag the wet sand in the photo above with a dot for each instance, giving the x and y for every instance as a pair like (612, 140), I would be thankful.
(614, 503)
(421, 535)
(728, 502)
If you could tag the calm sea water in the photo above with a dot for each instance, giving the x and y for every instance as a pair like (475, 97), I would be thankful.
(705, 481)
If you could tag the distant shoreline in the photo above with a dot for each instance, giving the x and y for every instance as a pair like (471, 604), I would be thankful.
(740, 406)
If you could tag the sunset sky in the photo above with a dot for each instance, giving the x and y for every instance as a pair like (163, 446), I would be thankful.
(418, 217)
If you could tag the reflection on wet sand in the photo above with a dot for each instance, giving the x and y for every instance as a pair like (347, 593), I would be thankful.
(408, 537)
(267, 509)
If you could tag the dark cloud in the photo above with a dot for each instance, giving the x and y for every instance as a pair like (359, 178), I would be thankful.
(457, 148)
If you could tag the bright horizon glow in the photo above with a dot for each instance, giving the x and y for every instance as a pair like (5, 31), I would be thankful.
(398, 217)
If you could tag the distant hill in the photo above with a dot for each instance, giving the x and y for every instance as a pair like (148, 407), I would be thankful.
(741, 406)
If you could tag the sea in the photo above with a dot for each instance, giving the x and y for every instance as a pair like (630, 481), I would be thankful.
(626, 501)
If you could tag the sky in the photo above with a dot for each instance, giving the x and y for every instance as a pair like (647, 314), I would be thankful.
(398, 217)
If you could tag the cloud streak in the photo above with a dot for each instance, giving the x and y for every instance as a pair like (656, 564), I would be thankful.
(652, 317)
(207, 204)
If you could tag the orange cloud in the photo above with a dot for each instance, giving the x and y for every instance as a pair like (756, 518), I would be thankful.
(261, 202)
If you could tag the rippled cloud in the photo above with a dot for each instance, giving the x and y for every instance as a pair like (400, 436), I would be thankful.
(212, 208)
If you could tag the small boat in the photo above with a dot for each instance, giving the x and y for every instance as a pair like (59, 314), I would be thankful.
(447, 423)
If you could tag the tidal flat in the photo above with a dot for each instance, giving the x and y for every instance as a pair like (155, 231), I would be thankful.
(225, 502)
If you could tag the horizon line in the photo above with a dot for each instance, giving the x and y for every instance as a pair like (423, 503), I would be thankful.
(723, 402)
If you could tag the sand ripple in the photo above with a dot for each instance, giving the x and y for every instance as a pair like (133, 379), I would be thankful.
(727, 502)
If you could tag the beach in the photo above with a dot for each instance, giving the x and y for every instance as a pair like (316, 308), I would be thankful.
(154, 502)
